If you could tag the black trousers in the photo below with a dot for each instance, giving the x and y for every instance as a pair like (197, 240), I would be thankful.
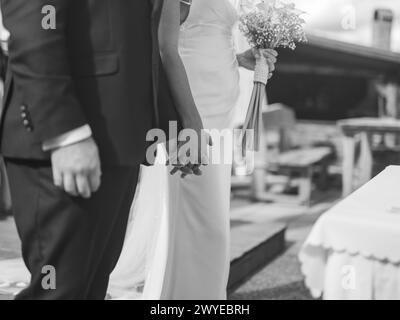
(81, 240)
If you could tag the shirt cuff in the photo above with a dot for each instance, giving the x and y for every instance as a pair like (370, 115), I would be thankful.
(68, 138)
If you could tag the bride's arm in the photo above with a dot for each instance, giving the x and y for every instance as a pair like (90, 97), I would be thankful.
(174, 68)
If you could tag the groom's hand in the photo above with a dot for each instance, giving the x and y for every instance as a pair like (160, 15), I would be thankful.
(77, 169)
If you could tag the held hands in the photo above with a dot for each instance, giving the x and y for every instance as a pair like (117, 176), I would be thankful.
(183, 162)
(248, 58)
(76, 168)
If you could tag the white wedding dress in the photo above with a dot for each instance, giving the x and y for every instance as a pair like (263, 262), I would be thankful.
(177, 243)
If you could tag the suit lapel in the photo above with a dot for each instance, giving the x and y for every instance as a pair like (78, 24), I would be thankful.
(155, 21)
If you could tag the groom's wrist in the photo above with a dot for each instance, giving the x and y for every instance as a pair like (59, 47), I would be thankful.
(68, 138)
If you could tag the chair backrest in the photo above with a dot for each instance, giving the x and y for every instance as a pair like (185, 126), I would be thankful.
(279, 122)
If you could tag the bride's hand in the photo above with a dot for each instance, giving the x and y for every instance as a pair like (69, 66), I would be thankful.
(247, 59)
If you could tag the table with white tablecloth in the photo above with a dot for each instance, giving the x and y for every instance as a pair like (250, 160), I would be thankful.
(353, 250)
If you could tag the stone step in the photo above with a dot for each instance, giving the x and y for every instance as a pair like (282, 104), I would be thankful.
(253, 246)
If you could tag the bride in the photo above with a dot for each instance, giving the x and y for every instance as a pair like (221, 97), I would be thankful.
(177, 243)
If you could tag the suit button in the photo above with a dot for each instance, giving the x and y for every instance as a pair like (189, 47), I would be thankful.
(23, 108)
(26, 123)
(24, 115)
(29, 128)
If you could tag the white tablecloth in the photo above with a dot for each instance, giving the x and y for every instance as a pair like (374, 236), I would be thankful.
(353, 250)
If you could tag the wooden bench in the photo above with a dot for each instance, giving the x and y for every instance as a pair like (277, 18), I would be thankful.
(301, 165)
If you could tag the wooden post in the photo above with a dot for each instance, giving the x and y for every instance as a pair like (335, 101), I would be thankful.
(348, 164)
(259, 174)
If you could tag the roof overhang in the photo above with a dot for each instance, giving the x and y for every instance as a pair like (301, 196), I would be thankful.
(331, 57)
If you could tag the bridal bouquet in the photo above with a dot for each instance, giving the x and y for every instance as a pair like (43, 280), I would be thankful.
(267, 24)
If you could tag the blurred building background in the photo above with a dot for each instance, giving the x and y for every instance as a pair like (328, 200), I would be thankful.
(339, 74)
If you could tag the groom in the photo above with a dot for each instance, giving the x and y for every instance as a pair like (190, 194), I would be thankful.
(80, 98)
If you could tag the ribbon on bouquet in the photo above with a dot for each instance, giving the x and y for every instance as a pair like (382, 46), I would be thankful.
(253, 126)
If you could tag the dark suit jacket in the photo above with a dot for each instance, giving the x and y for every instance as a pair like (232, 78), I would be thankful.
(101, 65)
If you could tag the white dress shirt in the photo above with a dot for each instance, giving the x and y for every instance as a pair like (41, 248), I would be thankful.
(68, 138)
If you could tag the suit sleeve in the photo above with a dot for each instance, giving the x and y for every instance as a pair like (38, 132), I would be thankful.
(40, 66)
